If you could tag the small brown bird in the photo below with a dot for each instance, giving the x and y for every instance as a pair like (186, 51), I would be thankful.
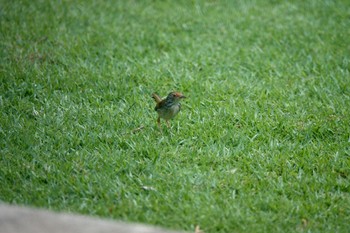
(169, 107)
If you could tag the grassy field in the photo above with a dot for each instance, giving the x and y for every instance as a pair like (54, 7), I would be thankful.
(262, 143)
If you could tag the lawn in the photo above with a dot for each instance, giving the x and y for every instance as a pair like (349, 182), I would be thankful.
(262, 143)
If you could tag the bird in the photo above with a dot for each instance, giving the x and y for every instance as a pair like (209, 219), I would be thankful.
(169, 107)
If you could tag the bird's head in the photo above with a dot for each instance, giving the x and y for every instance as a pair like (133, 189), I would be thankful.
(175, 96)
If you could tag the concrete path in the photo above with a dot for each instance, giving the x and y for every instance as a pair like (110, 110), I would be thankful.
(15, 219)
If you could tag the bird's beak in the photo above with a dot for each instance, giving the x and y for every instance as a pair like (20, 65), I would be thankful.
(183, 97)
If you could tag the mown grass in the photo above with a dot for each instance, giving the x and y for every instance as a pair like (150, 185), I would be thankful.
(262, 143)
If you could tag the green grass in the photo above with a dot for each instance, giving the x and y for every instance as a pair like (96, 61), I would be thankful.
(262, 143)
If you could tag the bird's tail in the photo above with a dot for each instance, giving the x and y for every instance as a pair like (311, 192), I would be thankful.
(156, 97)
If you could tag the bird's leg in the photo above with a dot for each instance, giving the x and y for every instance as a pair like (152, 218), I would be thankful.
(158, 121)
(167, 123)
